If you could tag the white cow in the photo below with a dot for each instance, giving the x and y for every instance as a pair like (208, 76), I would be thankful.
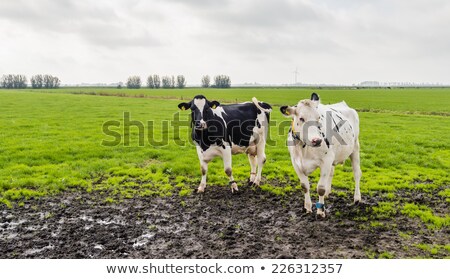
(322, 136)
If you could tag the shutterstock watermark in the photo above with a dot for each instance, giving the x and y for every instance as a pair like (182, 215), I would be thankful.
(180, 130)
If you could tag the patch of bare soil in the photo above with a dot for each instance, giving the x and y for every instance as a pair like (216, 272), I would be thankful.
(214, 224)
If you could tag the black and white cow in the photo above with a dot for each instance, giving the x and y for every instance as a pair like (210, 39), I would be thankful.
(224, 130)
(322, 136)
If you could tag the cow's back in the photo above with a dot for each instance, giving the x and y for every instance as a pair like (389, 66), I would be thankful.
(240, 120)
(348, 114)
(344, 121)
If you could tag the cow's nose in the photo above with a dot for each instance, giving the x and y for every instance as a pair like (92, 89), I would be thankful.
(316, 141)
(200, 125)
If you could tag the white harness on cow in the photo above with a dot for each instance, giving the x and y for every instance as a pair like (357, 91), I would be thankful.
(296, 136)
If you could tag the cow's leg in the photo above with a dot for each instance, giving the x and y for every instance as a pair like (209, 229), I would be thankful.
(354, 157)
(253, 164)
(226, 155)
(261, 160)
(325, 171)
(305, 185)
(203, 168)
(330, 179)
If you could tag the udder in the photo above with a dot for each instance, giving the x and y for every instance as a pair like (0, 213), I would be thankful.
(236, 149)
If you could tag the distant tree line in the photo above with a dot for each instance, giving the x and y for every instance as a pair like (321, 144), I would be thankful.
(155, 82)
(13, 81)
(166, 82)
(220, 81)
(134, 82)
(206, 81)
(37, 81)
(44, 81)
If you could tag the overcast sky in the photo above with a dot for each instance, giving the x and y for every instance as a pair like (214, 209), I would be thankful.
(330, 41)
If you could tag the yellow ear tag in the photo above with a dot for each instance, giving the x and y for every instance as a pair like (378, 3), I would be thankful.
(292, 127)
(214, 106)
(182, 108)
(287, 112)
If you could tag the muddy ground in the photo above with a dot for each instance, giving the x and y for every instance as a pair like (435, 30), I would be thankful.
(215, 224)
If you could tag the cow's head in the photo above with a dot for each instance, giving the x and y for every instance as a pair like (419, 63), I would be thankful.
(201, 110)
(305, 120)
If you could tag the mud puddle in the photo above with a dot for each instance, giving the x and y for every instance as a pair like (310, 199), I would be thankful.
(215, 224)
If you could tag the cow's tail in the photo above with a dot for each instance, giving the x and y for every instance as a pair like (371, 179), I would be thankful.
(256, 102)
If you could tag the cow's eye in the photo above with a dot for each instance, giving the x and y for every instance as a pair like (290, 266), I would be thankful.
(302, 119)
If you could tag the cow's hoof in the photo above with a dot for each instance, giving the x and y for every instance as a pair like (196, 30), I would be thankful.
(201, 189)
(321, 213)
(356, 202)
(308, 207)
(234, 188)
(250, 183)
(256, 183)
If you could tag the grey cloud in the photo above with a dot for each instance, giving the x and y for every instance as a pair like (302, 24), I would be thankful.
(53, 15)
(116, 35)
(101, 25)
(253, 14)
(198, 4)
(270, 14)
(272, 34)
(262, 28)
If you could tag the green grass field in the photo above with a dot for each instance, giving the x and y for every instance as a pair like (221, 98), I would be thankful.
(51, 141)
(424, 101)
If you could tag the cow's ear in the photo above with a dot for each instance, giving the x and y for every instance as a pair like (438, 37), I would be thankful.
(287, 110)
(314, 97)
(184, 106)
(214, 104)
